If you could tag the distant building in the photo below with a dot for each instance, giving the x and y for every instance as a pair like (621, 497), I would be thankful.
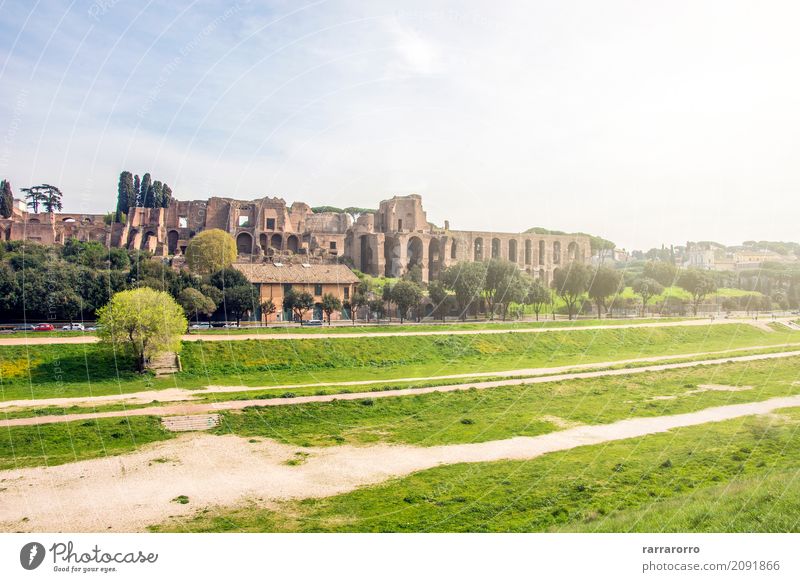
(713, 256)
(274, 280)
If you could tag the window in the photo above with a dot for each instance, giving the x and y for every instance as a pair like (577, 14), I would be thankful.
(183, 222)
(346, 293)
(333, 245)
(287, 287)
(270, 224)
(244, 221)
(317, 289)
(399, 225)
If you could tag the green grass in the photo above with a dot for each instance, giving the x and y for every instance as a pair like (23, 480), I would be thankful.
(504, 412)
(675, 481)
(64, 370)
(55, 444)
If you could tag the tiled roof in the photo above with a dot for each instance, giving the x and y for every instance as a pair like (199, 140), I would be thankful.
(293, 273)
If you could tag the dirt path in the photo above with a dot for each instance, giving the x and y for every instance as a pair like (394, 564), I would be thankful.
(130, 492)
(185, 395)
(208, 407)
(89, 339)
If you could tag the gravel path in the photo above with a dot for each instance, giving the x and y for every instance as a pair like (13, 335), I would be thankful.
(208, 407)
(89, 339)
(130, 492)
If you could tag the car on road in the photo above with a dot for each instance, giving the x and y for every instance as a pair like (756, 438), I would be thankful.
(312, 322)
(44, 327)
(203, 325)
(73, 327)
(24, 327)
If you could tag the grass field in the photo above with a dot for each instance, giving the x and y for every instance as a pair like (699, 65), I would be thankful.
(738, 475)
(429, 419)
(64, 370)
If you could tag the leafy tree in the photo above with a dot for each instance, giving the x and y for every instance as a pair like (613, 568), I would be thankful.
(439, 296)
(125, 193)
(500, 275)
(238, 301)
(538, 296)
(378, 306)
(605, 283)
(51, 201)
(330, 303)
(144, 190)
(268, 308)
(228, 277)
(662, 271)
(406, 294)
(357, 301)
(571, 283)
(6, 199)
(466, 280)
(414, 274)
(210, 251)
(698, 284)
(34, 197)
(195, 303)
(646, 288)
(143, 322)
(299, 303)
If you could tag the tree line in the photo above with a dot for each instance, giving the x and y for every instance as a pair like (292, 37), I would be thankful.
(145, 192)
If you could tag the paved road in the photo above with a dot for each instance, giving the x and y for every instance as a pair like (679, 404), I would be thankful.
(89, 339)
(209, 407)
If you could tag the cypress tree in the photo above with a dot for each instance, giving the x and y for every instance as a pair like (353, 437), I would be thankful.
(124, 193)
(166, 196)
(6, 199)
(144, 190)
(133, 201)
(156, 200)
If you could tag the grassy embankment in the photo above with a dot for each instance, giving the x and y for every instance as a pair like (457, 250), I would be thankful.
(45, 371)
(741, 475)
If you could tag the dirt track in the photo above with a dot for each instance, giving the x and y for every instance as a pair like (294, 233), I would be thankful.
(130, 492)
(90, 339)
(207, 407)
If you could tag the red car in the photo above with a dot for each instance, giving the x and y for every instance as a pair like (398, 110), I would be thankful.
(44, 327)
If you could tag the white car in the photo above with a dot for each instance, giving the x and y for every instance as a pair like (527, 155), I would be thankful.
(73, 327)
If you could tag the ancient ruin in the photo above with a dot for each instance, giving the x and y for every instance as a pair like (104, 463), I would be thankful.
(390, 241)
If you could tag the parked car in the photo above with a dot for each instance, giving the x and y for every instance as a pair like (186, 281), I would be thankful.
(203, 325)
(73, 327)
(24, 327)
(43, 327)
(312, 322)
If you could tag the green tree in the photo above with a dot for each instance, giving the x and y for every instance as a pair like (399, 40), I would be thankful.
(570, 283)
(144, 190)
(538, 296)
(6, 199)
(52, 198)
(406, 295)
(166, 196)
(438, 295)
(125, 193)
(194, 303)
(299, 303)
(499, 277)
(646, 288)
(156, 200)
(268, 308)
(357, 301)
(698, 284)
(143, 322)
(466, 280)
(34, 197)
(238, 301)
(330, 303)
(137, 186)
(210, 251)
(662, 271)
(605, 282)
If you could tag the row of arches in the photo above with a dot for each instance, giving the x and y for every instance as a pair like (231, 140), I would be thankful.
(244, 243)
(478, 254)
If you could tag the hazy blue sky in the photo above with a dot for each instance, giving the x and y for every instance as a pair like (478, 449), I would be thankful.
(645, 122)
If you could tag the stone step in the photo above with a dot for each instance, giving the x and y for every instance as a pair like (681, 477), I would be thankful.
(190, 422)
(164, 364)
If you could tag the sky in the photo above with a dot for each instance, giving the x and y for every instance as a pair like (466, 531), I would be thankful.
(647, 123)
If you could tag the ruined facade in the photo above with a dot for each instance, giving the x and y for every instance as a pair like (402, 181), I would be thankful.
(388, 242)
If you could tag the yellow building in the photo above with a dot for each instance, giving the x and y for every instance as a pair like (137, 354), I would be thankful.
(274, 280)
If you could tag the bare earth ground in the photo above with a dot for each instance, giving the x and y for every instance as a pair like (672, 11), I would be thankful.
(206, 407)
(130, 492)
(89, 339)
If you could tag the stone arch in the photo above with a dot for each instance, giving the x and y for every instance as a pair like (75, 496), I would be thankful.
(276, 242)
(557, 252)
(33, 221)
(454, 249)
(541, 252)
(495, 248)
(478, 249)
(293, 243)
(434, 258)
(68, 219)
(391, 256)
(512, 251)
(572, 251)
(528, 252)
(365, 254)
(263, 241)
(146, 239)
(172, 241)
(244, 243)
(414, 252)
